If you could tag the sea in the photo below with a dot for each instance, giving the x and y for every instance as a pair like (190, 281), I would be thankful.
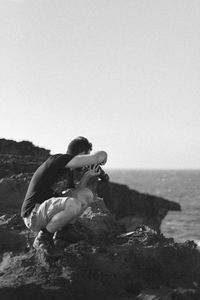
(182, 186)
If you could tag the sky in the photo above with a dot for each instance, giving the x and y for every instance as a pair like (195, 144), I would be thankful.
(123, 73)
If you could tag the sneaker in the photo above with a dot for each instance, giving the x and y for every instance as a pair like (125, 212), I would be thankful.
(44, 243)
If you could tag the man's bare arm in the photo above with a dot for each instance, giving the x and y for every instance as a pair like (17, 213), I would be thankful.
(79, 161)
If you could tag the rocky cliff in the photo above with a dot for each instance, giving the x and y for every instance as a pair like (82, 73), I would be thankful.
(22, 148)
(103, 262)
(20, 157)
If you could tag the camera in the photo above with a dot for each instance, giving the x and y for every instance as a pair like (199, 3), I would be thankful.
(103, 176)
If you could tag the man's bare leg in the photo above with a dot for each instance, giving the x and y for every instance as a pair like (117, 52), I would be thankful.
(79, 199)
(74, 207)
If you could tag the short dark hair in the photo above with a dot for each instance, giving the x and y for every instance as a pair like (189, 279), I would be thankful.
(79, 145)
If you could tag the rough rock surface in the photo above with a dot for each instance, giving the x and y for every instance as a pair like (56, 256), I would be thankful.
(12, 192)
(22, 148)
(20, 157)
(101, 264)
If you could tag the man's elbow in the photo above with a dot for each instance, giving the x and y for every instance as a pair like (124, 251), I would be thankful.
(102, 157)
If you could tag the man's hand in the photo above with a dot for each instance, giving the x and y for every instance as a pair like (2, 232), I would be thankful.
(93, 170)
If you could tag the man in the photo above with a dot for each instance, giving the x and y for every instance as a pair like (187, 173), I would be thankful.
(45, 214)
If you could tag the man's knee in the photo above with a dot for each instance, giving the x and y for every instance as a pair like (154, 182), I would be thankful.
(86, 194)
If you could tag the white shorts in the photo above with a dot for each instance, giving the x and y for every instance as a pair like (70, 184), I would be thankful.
(42, 213)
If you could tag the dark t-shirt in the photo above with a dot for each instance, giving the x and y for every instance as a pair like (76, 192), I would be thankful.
(45, 176)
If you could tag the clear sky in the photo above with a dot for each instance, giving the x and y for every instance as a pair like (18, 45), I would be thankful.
(124, 73)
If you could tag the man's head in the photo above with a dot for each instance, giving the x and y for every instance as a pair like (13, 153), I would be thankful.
(79, 145)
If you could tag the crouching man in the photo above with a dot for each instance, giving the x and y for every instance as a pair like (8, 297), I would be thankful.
(45, 214)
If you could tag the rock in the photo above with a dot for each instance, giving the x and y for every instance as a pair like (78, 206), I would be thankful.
(12, 192)
(22, 148)
(144, 265)
(186, 294)
(16, 164)
(13, 234)
(20, 157)
(133, 208)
